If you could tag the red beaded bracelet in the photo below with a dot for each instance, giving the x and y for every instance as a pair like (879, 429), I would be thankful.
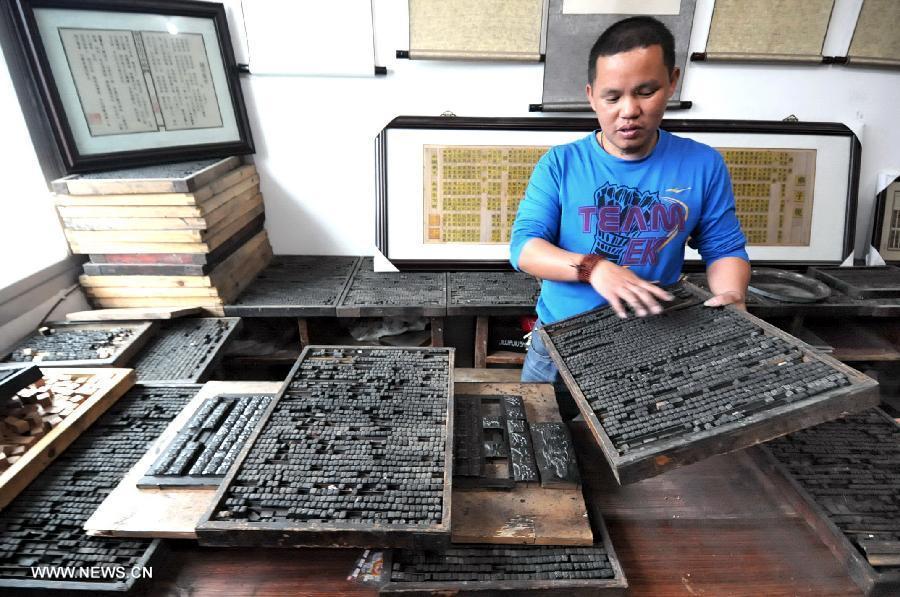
(587, 265)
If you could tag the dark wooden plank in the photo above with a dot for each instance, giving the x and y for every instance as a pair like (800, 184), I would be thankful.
(680, 445)
(15, 378)
(555, 455)
(481, 339)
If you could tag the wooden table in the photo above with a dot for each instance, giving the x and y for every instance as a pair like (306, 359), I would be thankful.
(712, 528)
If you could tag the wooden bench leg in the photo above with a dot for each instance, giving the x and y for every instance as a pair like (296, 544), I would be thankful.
(303, 328)
(481, 339)
(437, 331)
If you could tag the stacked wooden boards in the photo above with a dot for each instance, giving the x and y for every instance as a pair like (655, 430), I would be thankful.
(186, 234)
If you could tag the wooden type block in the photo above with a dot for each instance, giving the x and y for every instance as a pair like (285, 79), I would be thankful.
(521, 452)
(206, 448)
(555, 455)
(664, 391)
(841, 476)
(371, 463)
(468, 437)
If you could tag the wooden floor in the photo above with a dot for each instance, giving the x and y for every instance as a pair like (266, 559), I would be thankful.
(713, 528)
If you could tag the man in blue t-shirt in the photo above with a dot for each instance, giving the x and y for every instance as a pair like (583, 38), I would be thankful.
(605, 219)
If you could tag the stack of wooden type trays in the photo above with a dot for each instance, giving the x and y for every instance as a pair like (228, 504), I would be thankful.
(188, 234)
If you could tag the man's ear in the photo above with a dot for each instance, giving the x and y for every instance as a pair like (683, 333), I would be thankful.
(673, 80)
(590, 95)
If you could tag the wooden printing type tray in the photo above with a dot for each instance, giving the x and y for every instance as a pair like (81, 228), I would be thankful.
(335, 534)
(142, 333)
(495, 293)
(365, 285)
(209, 362)
(873, 582)
(283, 288)
(659, 456)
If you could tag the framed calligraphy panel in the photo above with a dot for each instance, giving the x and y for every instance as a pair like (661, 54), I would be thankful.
(129, 83)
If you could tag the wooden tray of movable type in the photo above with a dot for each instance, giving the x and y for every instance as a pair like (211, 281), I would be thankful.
(356, 451)
(405, 294)
(862, 282)
(172, 507)
(45, 417)
(491, 293)
(13, 379)
(842, 477)
(671, 389)
(183, 177)
(63, 344)
(185, 351)
(520, 569)
(296, 286)
(44, 546)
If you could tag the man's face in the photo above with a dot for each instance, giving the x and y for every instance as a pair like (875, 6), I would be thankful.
(629, 95)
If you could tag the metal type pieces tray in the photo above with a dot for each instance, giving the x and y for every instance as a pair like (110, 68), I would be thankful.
(15, 378)
(296, 286)
(547, 569)
(376, 294)
(788, 287)
(491, 293)
(204, 450)
(862, 282)
(82, 344)
(664, 391)
(842, 476)
(184, 350)
(354, 452)
(42, 527)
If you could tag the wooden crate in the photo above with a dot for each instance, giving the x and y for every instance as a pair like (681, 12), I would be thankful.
(114, 384)
(657, 457)
(336, 533)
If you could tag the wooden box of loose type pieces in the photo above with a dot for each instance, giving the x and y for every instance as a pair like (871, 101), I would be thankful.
(664, 391)
(186, 234)
(41, 420)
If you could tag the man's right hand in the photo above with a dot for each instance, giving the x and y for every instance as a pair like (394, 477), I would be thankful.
(620, 286)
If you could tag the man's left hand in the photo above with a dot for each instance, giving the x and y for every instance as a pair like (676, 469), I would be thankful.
(731, 297)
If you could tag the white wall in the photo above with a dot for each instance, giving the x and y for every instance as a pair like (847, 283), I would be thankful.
(314, 135)
(30, 234)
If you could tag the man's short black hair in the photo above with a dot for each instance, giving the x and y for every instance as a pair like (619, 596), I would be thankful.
(631, 33)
